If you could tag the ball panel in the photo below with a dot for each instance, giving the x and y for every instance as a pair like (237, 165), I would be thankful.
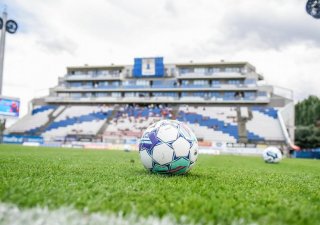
(160, 169)
(146, 159)
(167, 133)
(162, 154)
(179, 166)
(185, 132)
(181, 147)
(194, 152)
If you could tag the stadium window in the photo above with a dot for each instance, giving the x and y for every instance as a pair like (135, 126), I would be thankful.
(129, 94)
(186, 70)
(101, 94)
(115, 83)
(115, 94)
(249, 95)
(200, 70)
(215, 83)
(63, 94)
(142, 83)
(232, 69)
(185, 82)
(75, 95)
(216, 70)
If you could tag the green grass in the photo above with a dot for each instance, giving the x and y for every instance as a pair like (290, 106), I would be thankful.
(219, 189)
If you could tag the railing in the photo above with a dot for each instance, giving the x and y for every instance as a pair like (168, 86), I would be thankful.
(193, 99)
(71, 77)
(287, 111)
(206, 87)
(213, 74)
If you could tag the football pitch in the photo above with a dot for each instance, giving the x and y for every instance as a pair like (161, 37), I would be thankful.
(218, 190)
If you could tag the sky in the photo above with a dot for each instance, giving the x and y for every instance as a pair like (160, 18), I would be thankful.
(277, 36)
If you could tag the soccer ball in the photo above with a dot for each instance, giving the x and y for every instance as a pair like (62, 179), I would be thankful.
(168, 147)
(272, 155)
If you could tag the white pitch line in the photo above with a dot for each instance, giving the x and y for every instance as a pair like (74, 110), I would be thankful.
(13, 215)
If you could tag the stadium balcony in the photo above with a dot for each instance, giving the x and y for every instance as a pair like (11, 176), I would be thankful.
(93, 77)
(220, 75)
(163, 86)
(136, 86)
(87, 86)
(151, 100)
(76, 76)
(107, 87)
(164, 98)
(234, 86)
(192, 98)
(194, 86)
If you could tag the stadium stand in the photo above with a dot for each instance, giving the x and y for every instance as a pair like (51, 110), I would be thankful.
(211, 123)
(131, 121)
(220, 101)
(36, 119)
(264, 125)
(78, 120)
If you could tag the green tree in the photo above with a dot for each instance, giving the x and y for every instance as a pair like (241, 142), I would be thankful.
(307, 118)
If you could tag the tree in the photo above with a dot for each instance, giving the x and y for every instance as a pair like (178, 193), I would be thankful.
(307, 118)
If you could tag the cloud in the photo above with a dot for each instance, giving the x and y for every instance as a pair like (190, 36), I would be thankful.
(170, 8)
(56, 44)
(271, 25)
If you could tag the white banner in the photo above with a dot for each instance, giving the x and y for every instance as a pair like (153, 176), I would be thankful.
(148, 67)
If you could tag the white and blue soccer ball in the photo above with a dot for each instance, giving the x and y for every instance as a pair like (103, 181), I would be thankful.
(168, 147)
(272, 155)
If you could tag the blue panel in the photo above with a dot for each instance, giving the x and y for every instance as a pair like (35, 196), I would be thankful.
(272, 112)
(43, 108)
(137, 67)
(20, 139)
(159, 67)
(254, 137)
(307, 154)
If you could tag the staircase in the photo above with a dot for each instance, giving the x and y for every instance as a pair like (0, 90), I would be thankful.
(243, 114)
(175, 112)
(107, 122)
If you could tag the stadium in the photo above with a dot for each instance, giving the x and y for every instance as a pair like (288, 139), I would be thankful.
(224, 103)
(160, 139)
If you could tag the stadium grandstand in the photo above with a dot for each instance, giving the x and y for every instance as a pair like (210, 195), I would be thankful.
(225, 103)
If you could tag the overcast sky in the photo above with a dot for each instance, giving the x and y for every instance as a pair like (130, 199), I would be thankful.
(277, 36)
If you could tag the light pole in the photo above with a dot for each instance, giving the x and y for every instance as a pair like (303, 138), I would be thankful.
(11, 27)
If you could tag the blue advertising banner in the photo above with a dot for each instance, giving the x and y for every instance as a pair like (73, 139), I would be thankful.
(148, 67)
(19, 139)
(9, 107)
